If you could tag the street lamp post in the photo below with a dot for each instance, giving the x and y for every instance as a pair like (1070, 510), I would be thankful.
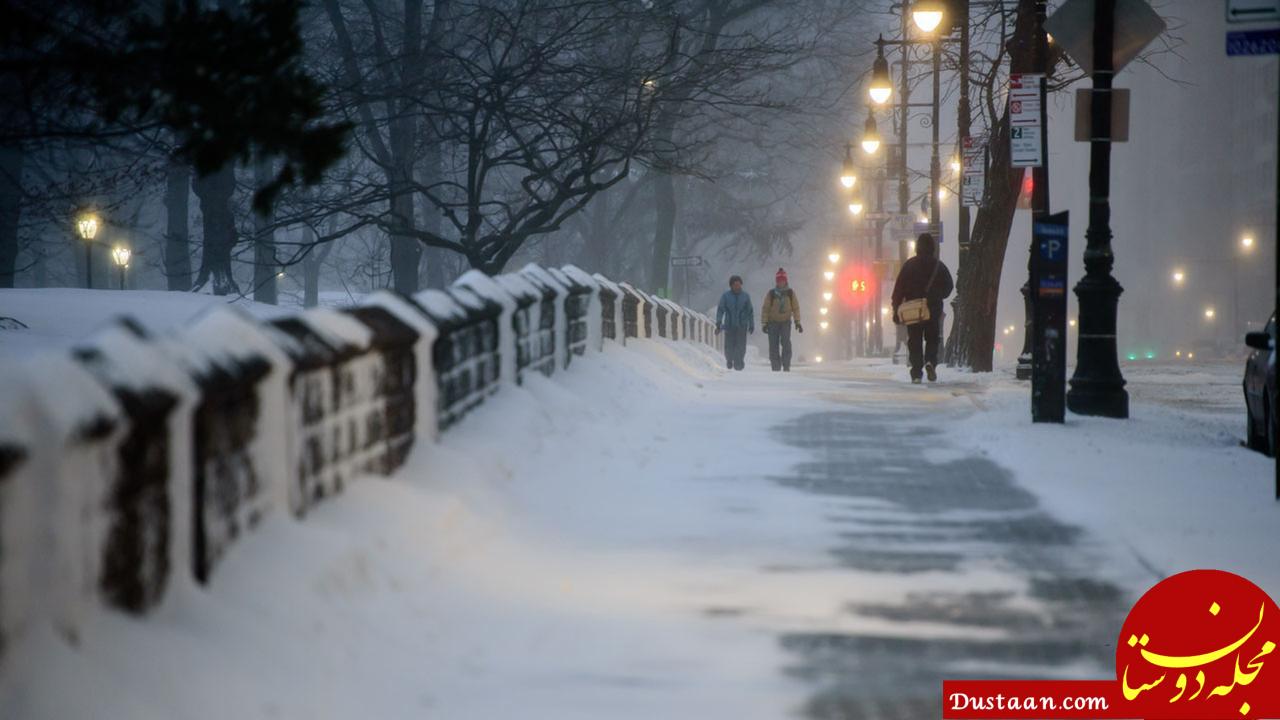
(120, 254)
(1097, 387)
(87, 225)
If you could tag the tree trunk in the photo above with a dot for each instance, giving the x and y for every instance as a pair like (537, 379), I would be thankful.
(433, 259)
(177, 250)
(312, 265)
(972, 340)
(10, 211)
(214, 191)
(265, 264)
(664, 205)
(406, 252)
(973, 335)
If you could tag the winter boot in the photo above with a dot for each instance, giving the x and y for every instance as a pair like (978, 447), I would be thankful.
(915, 380)
(931, 372)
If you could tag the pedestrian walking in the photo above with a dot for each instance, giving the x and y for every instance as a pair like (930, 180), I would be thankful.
(922, 284)
(736, 319)
(780, 308)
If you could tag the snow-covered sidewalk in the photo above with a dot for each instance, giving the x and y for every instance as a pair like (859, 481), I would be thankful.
(648, 535)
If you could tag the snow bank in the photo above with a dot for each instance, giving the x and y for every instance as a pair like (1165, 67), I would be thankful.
(133, 460)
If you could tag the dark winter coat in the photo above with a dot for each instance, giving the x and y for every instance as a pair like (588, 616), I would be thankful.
(735, 310)
(914, 277)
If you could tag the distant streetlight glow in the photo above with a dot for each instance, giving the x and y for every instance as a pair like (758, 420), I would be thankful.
(881, 82)
(833, 257)
(87, 225)
(1246, 242)
(870, 134)
(824, 324)
(927, 14)
(847, 175)
(1178, 277)
(829, 275)
(120, 255)
(1210, 313)
(884, 310)
(827, 296)
(822, 311)
(817, 359)
(855, 208)
(942, 194)
(955, 165)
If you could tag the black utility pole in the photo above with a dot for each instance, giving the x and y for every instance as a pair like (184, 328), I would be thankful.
(963, 127)
(904, 187)
(1097, 387)
(1039, 188)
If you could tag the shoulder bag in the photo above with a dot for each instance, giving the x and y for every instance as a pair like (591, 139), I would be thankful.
(914, 312)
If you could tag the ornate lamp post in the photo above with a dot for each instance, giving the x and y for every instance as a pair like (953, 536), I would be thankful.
(87, 226)
(1097, 387)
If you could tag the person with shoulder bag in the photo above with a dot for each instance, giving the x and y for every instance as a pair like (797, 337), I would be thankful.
(922, 284)
(780, 308)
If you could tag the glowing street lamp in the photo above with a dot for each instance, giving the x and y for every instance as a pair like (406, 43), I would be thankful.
(1246, 243)
(955, 164)
(1179, 277)
(1210, 313)
(833, 257)
(942, 194)
(120, 254)
(927, 14)
(847, 175)
(817, 359)
(87, 225)
(822, 311)
(824, 324)
(855, 207)
(881, 82)
(870, 134)
(827, 296)
(884, 310)
(830, 275)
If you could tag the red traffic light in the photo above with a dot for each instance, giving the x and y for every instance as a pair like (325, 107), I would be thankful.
(855, 285)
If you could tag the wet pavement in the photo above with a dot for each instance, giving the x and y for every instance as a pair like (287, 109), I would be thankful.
(995, 586)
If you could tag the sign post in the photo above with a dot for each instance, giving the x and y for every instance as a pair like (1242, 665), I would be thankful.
(1025, 129)
(975, 171)
(1049, 329)
(686, 262)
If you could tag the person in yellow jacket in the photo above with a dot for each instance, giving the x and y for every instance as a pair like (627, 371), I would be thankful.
(780, 308)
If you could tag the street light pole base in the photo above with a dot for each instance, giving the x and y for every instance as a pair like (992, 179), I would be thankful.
(1024, 368)
(1098, 398)
(1097, 387)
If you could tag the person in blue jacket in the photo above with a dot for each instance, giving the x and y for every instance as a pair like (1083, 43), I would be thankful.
(736, 320)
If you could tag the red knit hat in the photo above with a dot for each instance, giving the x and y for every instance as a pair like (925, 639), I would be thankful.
(781, 276)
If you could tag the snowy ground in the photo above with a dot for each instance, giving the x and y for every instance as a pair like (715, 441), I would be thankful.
(648, 535)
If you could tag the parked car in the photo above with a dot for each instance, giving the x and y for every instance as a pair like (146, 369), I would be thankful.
(1262, 425)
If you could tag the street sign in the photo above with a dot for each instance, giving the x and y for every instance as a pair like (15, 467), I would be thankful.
(1119, 115)
(1049, 318)
(923, 227)
(1136, 25)
(1253, 42)
(1024, 119)
(686, 261)
(1242, 11)
(974, 179)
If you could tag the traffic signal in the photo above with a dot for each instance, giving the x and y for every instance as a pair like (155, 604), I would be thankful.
(1028, 187)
